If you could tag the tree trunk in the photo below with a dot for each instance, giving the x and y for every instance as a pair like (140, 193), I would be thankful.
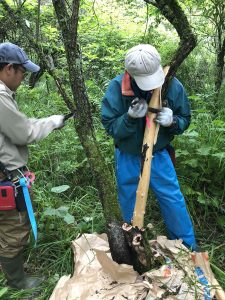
(84, 124)
(219, 68)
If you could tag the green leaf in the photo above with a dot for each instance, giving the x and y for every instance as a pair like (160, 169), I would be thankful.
(53, 279)
(219, 123)
(180, 152)
(220, 155)
(27, 23)
(204, 150)
(214, 202)
(201, 199)
(84, 227)
(50, 212)
(62, 211)
(221, 221)
(3, 291)
(194, 97)
(189, 191)
(192, 162)
(88, 219)
(69, 219)
(191, 133)
(60, 189)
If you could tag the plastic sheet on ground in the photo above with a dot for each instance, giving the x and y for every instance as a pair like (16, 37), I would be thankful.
(97, 276)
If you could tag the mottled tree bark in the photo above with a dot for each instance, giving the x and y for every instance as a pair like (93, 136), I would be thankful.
(84, 124)
(2, 32)
(219, 67)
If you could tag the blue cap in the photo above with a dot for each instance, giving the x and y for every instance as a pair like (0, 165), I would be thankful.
(12, 54)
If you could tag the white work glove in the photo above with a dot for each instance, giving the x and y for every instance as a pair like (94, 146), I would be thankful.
(138, 108)
(57, 120)
(165, 117)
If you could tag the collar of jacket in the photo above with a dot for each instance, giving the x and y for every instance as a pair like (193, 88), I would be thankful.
(130, 88)
(126, 85)
(4, 88)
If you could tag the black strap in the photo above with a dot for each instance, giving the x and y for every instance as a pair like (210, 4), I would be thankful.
(5, 171)
(2, 167)
(154, 110)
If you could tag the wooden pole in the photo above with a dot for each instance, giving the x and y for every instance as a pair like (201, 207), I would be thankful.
(150, 138)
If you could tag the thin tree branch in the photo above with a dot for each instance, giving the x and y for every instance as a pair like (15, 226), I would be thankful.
(175, 15)
(38, 21)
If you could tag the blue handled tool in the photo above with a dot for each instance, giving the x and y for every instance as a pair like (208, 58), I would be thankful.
(24, 183)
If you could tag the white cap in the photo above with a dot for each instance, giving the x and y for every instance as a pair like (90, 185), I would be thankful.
(142, 62)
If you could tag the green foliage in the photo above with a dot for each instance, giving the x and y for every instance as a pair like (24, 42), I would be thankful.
(66, 202)
(107, 46)
(3, 291)
(61, 212)
(60, 189)
(201, 161)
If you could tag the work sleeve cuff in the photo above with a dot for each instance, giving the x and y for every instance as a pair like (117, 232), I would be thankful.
(129, 119)
(174, 124)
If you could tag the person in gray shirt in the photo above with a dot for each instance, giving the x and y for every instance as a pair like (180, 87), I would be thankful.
(16, 132)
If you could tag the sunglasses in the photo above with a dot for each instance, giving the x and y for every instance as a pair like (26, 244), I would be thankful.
(22, 69)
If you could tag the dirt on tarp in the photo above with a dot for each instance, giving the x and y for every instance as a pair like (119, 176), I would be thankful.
(182, 274)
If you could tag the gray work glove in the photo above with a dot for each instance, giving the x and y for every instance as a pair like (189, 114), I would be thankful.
(57, 120)
(138, 108)
(165, 117)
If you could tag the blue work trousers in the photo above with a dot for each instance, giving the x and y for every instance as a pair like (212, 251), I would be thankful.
(165, 186)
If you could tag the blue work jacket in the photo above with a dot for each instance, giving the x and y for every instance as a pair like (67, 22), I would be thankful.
(128, 132)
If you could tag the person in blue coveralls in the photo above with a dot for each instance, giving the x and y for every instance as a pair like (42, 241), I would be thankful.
(123, 112)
